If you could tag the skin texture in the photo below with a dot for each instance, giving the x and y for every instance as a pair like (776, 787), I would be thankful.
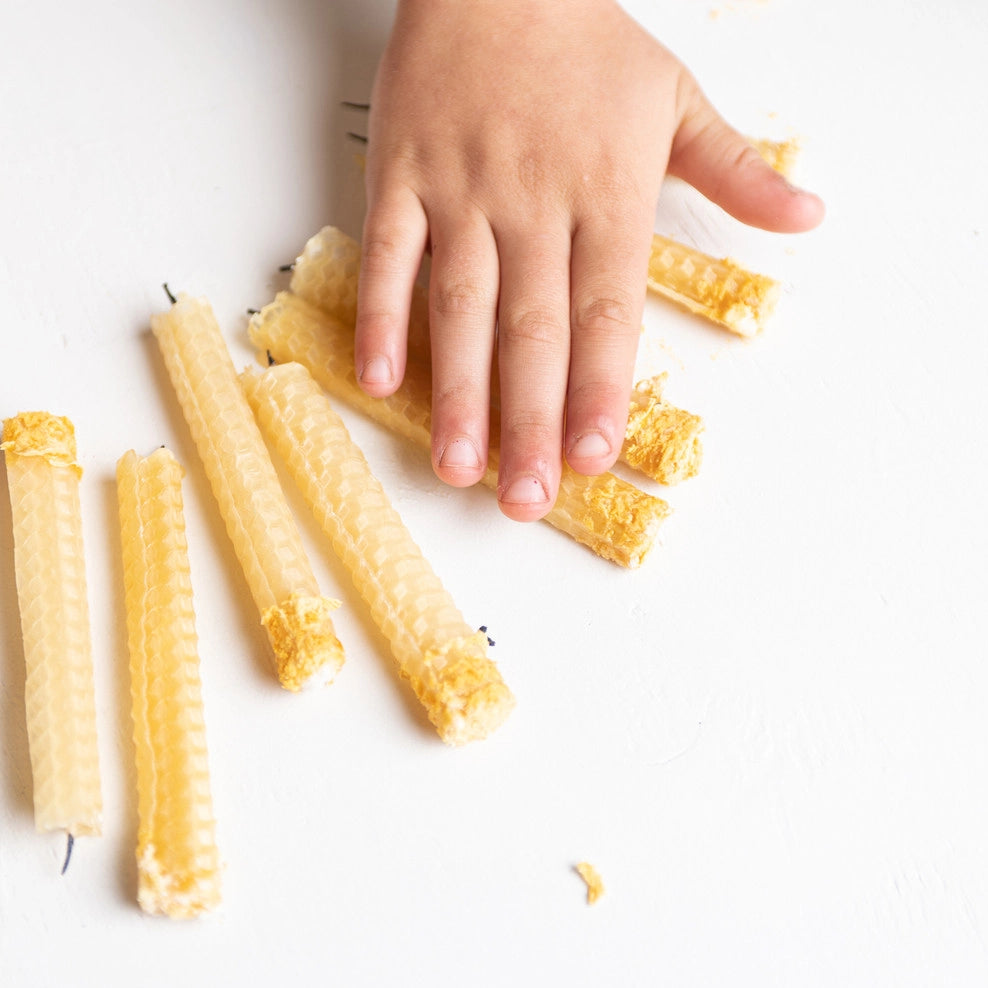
(523, 143)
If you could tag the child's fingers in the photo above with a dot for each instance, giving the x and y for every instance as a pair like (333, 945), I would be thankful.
(533, 362)
(608, 276)
(463, 294)
(722, 165)
(395, 236)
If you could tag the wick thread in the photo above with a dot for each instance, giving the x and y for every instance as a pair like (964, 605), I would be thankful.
(354, 106)
(287, 267)
(171, 298)
(490, 641)
(69, 844)
(356, 137)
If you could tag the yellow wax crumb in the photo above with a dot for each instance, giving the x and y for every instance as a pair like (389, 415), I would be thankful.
(595, 886)
(781, 155)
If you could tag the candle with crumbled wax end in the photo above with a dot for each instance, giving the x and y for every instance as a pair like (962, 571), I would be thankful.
(264, 535)
(717, 289)
(615, 519)
(661, 440)
(442, 657)
(177, 858)
(50, 572)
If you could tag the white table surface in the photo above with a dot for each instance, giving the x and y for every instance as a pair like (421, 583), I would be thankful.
(771, 739)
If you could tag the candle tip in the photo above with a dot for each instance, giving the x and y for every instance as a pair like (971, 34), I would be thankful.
(171, 298)
(69, 844)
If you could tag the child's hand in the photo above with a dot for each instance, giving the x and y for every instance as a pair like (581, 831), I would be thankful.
(523, 142)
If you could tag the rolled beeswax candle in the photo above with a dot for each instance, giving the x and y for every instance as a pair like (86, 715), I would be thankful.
(612, 517)
(50, 571)
(325, 274)
(258, 520)
(177, 859)
(719, 290)
(443, 658)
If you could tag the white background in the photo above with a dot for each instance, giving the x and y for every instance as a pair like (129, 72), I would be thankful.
(770, 740)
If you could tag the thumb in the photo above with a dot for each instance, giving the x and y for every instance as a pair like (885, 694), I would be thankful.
(722, 165)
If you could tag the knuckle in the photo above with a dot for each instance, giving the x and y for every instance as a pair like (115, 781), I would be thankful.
(604, 315)
(737, 158)
(734, 161)
(460, 298)
(381, 255)
(537, 326)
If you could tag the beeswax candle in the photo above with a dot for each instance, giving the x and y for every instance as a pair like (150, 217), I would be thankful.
(612, 517)
(177, 859)
(717, 289)
(257, 517)
(50, 571)
(443, 658)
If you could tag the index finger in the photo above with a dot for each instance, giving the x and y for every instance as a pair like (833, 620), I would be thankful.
(394, 241)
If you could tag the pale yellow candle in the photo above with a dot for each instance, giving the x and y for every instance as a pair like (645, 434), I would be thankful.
(444, 659)
(719, 290)
(612, 517)
(258, 520)
(177, 858)
(326, 272)
(49, 565)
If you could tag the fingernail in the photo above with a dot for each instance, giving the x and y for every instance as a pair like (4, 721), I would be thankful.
(460, 453)
(377, 370)
(525, 490)
(589, 446)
